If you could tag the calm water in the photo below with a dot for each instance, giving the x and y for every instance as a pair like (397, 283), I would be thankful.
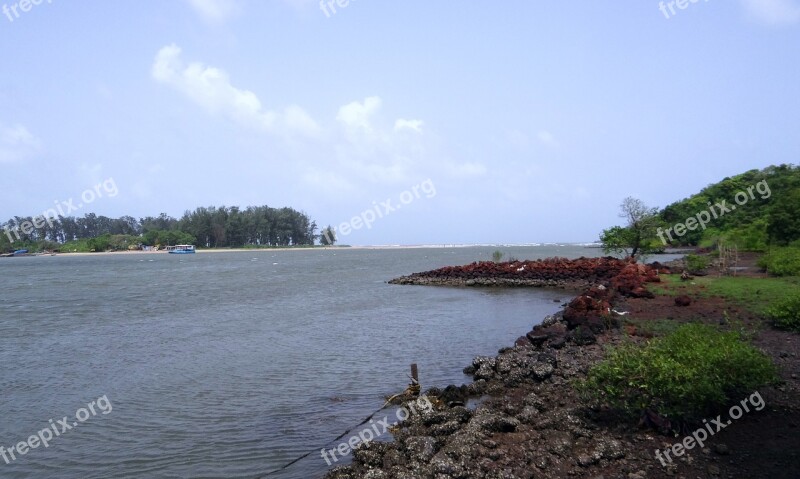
(232, 364)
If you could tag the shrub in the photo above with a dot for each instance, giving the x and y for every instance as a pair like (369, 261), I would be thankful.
(497, 256)
(100, 243)
(781, 261)
(697, 263)
(685, 375)
(785, 314)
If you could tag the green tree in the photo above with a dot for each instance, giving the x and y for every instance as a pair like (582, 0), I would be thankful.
(5, 243)
(638, 237)
(328, 236)
(783, 224)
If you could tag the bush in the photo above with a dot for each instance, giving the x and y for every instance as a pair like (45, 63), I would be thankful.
(781, 261)
(685, 375)
(100, 243)
(497, 256)
(697, 263)
(785, 314)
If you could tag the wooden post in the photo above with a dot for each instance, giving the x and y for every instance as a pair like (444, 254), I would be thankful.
(414, 373)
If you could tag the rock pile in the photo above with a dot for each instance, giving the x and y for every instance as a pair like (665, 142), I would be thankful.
(551, 272)
(532, 423)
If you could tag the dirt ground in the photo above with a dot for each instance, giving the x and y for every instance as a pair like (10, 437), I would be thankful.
(763, 444)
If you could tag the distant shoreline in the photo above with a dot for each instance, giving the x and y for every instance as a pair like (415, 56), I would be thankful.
(238, 250)
(342, 248)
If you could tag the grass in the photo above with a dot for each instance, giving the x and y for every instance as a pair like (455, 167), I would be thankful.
(652, 327)
(752, 294)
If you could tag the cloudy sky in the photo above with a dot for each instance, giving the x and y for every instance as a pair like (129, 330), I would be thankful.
(531, 119)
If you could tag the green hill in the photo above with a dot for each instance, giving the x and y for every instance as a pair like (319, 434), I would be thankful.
(754, 210)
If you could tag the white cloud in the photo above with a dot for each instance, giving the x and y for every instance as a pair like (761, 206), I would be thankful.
(773, 12)
(358, 116)
(372, 149)
(17, 144)
(296, 119)
(368, 147)
(359, 145)
(215, 11)
(463, 170)
(415, 125)
(211, 88)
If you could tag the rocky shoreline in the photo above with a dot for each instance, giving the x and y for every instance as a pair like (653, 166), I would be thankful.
(577, 274)
(531, 422)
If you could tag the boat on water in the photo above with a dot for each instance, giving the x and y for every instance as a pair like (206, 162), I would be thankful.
(24, 252)
(181, 249)
(19, 252)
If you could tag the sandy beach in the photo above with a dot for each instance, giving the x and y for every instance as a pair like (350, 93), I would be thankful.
(316, 248)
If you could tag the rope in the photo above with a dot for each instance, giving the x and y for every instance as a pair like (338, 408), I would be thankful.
(413, 389)
(289, 464)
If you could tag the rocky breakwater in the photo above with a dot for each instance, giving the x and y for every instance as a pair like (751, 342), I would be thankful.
(532, 423)
(551, 272)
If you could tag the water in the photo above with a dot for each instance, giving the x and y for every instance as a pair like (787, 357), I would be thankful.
(232, 364)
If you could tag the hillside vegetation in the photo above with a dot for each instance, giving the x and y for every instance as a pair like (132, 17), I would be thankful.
(765, 213)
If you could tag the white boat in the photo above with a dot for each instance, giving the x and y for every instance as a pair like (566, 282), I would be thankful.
(181, 249)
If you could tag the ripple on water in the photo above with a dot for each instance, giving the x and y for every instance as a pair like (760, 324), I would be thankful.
(231, 364)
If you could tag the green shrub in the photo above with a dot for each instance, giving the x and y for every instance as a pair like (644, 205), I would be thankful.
(785, 314)
(685, 375)
(497, 256)
(752, 237)
(781, 261)
(697, 263)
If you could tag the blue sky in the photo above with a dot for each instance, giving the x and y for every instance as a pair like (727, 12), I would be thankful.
(532, 119)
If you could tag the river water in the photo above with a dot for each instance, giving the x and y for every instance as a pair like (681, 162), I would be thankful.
(231, 364)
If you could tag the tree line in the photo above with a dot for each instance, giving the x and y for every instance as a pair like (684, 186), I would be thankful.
(210, 227)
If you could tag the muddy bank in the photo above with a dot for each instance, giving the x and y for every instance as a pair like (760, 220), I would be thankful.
(532, 423)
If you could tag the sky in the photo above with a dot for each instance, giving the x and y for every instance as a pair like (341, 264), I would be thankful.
(442, 122)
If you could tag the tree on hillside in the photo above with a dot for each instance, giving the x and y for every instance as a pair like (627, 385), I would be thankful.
(638, 237)
(784, 220)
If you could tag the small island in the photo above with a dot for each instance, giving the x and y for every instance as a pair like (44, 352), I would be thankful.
(206, 228)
